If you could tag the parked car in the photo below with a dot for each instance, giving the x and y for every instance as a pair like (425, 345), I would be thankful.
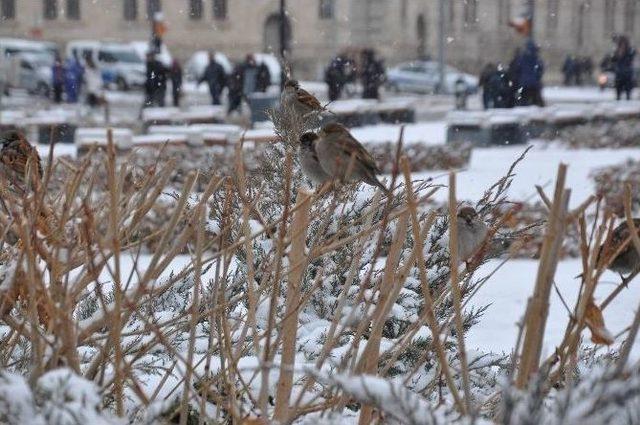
(424, 77)
(142, 48)
(194, 68)
(24, 63)
(35, 72)
(119, 63)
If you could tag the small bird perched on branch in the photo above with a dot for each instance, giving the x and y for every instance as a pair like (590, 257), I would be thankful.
(334, 154)
(299, 100)
(628, 260)
(17, 156)
(472, 232)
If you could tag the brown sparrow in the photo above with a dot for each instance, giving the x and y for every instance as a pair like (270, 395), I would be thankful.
(628, 261)
(299, 100)
(309, 160)
(15, 153)
(472, 232)
(339, 153)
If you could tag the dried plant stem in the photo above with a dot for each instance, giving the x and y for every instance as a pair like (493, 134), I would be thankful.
(538, 308)
(426, 292)
(455, 288)
(289, 331)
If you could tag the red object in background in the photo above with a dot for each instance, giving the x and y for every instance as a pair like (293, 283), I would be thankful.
(36, 32)
(521, 25)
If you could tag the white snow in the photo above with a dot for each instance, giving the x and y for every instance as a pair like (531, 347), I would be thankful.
(429, 133)
(539, 168)
(508, 290)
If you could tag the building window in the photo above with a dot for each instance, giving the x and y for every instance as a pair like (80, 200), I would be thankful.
(630, 17)
(73, 9)
(50, 9)
(470, 12)
(609, 17)
(195, 9)
(553, 8)
(7, 10)
(130, 10)
(153, 7)
(504, 12)
(220, 9)
(326, 9)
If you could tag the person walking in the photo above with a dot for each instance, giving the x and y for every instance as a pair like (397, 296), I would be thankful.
(623, 67)
(263, 79)
(372, 74)
(530, 71)
(93, 84)
(215, 77)
(73, 76)
(57, 79)
(488, 95)
(569, 70)
(235, 84)
(156, 82)
(335, 78)
(176, 82)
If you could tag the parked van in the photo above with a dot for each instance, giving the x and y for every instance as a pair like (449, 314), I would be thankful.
(119, 63)
(27, 64)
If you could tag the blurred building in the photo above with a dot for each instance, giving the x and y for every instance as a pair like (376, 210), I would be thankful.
(476, 31)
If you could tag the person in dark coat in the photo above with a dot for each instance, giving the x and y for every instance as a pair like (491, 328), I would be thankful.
(215, 77)
(176, 82)
(623, 67)
(156, 82)
(530, 70)
(57, 79)
(373, 74)
(263, 79)
(488, 94)
(334, 76)
(569, 70)
(235, 83)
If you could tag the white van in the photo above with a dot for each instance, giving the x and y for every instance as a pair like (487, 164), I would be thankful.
(27, 64)
(118, 63)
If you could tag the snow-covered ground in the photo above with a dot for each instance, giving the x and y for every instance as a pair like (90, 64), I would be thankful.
(508, 290)
(539, 168)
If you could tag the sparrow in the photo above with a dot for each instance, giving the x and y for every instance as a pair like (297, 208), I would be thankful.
(339, 153)
(15, 153)
(309, 160)
(628, 261)
(472, 232)
(299, 100)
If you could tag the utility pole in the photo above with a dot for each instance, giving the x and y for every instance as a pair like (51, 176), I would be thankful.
(531, 5)
(283, 29)
(441, 44)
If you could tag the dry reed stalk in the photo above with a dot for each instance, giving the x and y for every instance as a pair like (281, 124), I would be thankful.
(389, 290)
(195, 306)
(455, 289)
(537, 311)
(426, 292)
(289, 327)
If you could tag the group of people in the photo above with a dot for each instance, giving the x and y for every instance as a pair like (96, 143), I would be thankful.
(70, 79)
(518, 84)
(245, 78)
(577, 70)
(344, 69)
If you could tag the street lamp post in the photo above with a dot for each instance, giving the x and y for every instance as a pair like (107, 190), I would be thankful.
(441, 44)
(283, 29)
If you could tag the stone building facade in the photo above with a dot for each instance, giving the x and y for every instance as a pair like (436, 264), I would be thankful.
(476, 30)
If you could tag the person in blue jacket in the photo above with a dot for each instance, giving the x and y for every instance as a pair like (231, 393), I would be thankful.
(73, 74)
(530, 69)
